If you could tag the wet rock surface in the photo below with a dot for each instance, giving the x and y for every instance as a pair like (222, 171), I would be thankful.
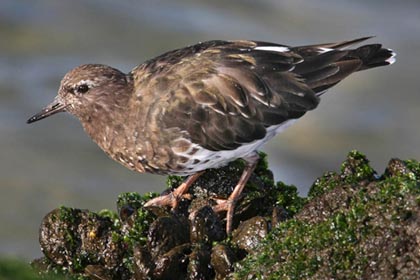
(222, 260)
(250, 233)
(355, 224)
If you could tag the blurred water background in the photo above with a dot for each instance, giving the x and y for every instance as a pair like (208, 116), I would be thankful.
(54, 163)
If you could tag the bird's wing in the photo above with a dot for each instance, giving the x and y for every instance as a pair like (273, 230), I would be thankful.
(227, 93)
(224, 94)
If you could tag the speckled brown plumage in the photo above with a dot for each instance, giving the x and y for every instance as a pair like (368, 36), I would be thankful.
(205, 105)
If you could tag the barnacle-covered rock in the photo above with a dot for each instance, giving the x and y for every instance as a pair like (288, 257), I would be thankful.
(222, 260)
(250, 233)
(206, 227)
(354, 224)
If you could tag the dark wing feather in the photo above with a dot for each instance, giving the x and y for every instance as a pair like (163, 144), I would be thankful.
(233, 92)
(336, 45)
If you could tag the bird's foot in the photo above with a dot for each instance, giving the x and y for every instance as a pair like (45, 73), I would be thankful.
(227, 205)
(173, 198)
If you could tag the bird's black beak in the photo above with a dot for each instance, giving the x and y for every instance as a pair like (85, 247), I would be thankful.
(55, 107)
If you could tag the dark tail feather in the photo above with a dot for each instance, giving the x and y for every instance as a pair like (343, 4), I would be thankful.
(373, 56)
(325, 65)
(339, 45)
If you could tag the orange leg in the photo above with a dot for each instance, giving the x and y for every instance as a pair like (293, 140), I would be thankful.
(172, 199)
(229, 204)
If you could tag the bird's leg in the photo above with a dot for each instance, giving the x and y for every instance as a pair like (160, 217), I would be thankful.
(229, 204)
(173, 198)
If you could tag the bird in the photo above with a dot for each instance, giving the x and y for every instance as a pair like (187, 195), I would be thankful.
(205, 105)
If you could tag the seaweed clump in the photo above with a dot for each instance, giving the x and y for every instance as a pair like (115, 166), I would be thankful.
(354, 224)
(155, 243)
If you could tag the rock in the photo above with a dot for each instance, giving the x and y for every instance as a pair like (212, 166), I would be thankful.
(279, 215)
(199, 267)
(250, 233)
(173, 264)
(143, 263)
(166, 233)
(75, 239)
(356, 226)
(97, 272)
(206, 226)
(222, 260)
(58, 235)
(353, 225)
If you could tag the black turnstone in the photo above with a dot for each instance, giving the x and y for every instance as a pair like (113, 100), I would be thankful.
(205, 105)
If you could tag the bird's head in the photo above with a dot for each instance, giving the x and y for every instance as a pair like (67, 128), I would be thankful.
(86, 90)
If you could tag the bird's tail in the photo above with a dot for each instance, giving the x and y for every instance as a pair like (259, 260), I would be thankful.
(325, 65)
(373, 56)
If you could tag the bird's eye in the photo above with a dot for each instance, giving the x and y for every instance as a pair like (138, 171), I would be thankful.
(83, 88)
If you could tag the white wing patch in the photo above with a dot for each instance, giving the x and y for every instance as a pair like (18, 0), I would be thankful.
(324, 50)
(272, 48)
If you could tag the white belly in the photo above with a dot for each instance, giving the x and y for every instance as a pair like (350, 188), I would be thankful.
(205, 159)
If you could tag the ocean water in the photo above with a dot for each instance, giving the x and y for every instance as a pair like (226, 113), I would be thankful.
(53, 162)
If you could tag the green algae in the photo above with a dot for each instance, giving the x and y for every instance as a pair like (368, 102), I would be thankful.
(323, 184)
(334, 233)
(337, 245)
(288, 197)
(354, 170)
(18, 269)
(141, 217)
